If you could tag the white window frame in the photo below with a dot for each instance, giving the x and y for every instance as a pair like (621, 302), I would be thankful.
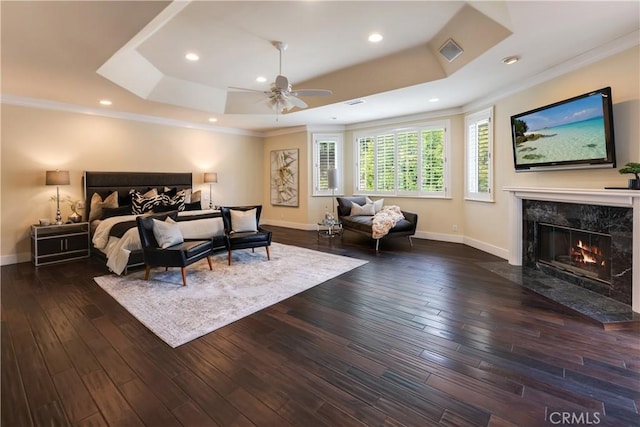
(471, 153)
(375, 133)
(338, 160)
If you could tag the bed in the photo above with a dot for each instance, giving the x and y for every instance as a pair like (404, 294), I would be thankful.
(113, 200)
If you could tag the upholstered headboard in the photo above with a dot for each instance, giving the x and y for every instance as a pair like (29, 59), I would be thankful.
(104, 183)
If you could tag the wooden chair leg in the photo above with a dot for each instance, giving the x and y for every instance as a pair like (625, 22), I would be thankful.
(268, 255)
(209, 261)
(147, 270)
(253, 249)
(184, 276)
(229, 258)
(166, 269)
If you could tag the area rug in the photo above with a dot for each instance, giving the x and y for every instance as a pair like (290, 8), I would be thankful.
(212, 299)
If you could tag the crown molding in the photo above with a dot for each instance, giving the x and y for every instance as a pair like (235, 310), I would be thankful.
(577, 62)
(78, 109)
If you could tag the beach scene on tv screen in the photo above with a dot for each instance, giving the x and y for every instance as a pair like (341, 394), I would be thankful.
(566, 132)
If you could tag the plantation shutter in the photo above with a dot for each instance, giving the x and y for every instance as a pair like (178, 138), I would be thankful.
(433, 160)
(326, 161)
(385, 161)
(478, 156)
(366, 164)
(407, 161)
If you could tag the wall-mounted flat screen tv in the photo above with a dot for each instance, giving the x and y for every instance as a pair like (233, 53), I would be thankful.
(572, 134)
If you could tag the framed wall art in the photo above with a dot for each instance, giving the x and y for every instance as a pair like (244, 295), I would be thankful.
(284, 177)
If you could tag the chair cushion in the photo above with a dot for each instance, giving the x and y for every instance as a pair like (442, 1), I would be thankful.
(196, 247)
(248, 237)
(167, 233)
(243, 221)
(344, 204)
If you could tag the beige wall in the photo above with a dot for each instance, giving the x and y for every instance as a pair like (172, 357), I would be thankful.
(287, 216)
(35, 140)
(485, 223)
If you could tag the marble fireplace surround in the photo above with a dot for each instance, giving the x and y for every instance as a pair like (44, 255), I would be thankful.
(620, 198)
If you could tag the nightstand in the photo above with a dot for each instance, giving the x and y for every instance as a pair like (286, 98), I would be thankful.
(57, 243)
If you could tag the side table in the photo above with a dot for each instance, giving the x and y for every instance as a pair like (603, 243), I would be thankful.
(57, 243)
(329, 228)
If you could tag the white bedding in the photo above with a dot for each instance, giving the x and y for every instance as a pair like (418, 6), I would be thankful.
(117, 250)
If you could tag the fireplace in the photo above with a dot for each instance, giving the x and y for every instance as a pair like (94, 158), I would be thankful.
(580, 252)
(586, 245)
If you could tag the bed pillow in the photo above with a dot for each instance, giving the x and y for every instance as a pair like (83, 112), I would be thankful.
(167, 233)
(243, 221)
(367, 209)
(167, 204)
(97, 204)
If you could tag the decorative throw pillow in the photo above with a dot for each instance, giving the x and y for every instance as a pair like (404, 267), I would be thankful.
(167, 233)
(377, 204)
(167, 204)
(196, 196)
(111, 201)
(366, 209)
(141, 203)
(243, 221)
(187, 194)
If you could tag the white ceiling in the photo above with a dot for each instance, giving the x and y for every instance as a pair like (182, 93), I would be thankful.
(133, 54)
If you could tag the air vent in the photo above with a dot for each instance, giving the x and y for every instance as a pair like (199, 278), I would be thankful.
(355, 102)
(450, 50)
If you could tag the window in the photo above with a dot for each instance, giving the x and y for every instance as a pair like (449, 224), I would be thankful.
(403, 162)
(327, 154)
(479, 146)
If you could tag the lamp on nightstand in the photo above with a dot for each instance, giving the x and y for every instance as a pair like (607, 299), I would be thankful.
(57, 178)
(210, 178)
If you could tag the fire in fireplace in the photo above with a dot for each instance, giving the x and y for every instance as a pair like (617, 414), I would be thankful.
(584, 253)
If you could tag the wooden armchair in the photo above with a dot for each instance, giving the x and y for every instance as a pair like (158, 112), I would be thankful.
(242, 229)
(176, 255)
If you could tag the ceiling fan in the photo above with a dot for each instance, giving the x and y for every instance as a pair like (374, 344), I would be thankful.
(282, 97)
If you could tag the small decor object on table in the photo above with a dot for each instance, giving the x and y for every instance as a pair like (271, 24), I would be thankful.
(633, 168)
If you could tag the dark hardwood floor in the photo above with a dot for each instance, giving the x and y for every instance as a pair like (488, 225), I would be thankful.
(416, 337)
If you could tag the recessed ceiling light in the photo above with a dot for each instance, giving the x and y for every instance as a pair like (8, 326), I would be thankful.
(510, 60)
(192, 56)
(105, 102)
(434, 100)
(261, 79)
(375, 38)
(213, 119)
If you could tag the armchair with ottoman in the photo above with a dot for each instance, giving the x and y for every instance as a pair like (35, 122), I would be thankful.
(360, 218)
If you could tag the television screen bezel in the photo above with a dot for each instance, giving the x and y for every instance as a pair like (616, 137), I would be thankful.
(608, 162)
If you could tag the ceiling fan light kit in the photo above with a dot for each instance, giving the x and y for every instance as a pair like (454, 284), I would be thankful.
(281, 97)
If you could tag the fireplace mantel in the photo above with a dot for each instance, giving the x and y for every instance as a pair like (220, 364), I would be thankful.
(621, 198)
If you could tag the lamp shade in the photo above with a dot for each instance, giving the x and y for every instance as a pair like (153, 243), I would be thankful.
(57, 177)
(332, 178)
(211, 177)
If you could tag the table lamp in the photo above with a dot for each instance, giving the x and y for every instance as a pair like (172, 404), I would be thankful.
(57, 178)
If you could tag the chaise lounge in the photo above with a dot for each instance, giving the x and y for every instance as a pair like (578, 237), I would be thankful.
(363, 224)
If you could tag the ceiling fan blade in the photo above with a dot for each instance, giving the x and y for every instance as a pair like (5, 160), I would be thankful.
(297, 102)
(244, 89)
(282, 83)
(311, 92)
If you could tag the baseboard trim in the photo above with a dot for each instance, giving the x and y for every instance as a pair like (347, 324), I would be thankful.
(485, 247)
(15, 258)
